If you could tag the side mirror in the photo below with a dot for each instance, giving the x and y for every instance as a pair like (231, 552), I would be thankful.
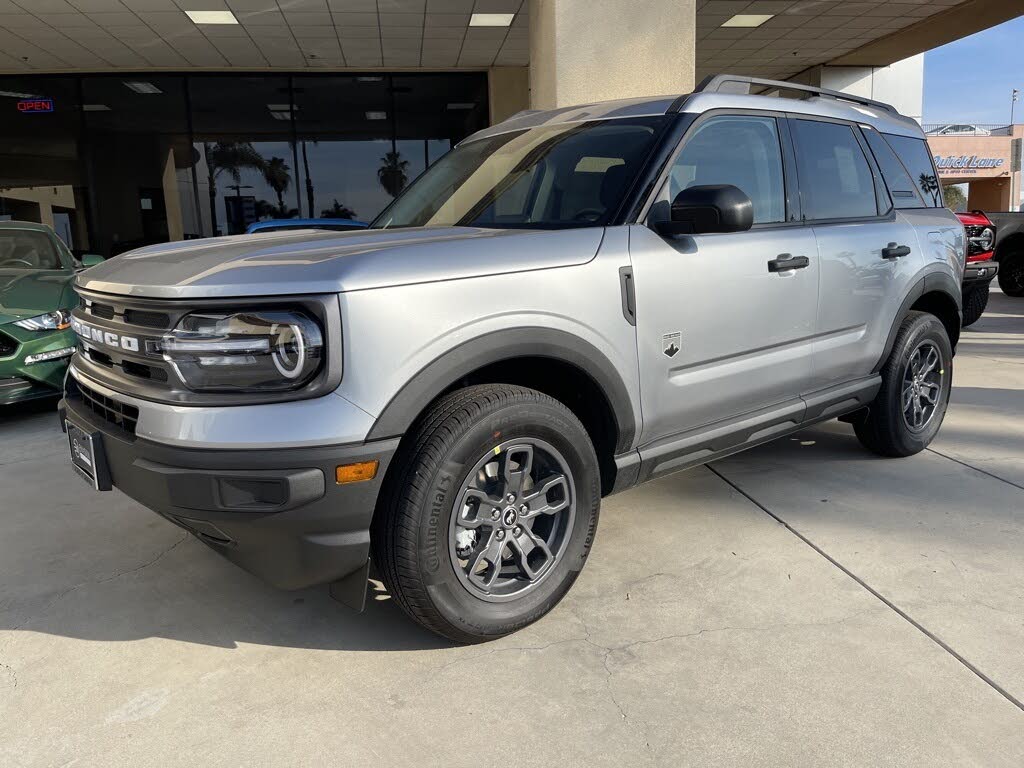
(708, 208)
(91, 259)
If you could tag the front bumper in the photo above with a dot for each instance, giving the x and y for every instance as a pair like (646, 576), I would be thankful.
(25, 381)
(978, 274)
(277, 513)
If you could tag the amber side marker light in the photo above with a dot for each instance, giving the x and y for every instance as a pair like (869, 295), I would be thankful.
(354, 473)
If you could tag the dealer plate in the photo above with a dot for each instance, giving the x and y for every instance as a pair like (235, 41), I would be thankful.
(87, 456)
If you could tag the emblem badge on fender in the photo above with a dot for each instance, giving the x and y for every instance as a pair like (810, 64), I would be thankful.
(671, 343)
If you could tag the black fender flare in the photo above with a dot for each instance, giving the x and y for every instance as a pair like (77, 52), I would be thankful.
(933, 282)
(495, 347)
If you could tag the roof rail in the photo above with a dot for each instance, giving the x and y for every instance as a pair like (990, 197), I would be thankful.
(722, 84)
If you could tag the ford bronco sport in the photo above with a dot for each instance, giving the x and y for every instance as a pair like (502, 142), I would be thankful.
(567, 304)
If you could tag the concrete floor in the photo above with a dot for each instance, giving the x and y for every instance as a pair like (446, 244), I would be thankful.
(801, 604)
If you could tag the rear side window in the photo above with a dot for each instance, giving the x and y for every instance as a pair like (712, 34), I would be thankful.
(901, 187)
(835, 178)
(918, 162)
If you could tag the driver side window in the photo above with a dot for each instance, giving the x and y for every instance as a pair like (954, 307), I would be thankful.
(740, 150)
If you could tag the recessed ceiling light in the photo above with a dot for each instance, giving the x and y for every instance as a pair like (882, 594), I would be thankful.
(376, 115)
(748, 20)
(491, 19)
(95, 108)
(141, 86)
(212, 17)
(461, 105)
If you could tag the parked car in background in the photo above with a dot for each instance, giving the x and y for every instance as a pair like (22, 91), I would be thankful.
(1009, 251)
(36, 297)
(980, 268)
(279, 225)
(958, 129)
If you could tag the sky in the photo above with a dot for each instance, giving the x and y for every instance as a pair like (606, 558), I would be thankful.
(970, 80)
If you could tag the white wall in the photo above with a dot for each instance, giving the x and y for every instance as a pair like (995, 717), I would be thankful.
(900, 84)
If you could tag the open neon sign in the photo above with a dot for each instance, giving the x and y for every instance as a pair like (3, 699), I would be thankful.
(35, 105)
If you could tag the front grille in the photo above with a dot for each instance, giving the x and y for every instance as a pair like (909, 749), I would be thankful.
(102, 310)
(119, 414)
(146, 319)
(8, 346)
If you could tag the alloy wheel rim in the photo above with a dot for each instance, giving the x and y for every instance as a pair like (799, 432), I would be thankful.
(922, 386)
(512, 520)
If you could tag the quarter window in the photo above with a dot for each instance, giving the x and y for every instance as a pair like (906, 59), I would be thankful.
(835, 178)
(901, 187)
(915, 156)
(740, 150)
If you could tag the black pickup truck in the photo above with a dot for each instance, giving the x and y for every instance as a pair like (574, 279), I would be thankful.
(1009, 251)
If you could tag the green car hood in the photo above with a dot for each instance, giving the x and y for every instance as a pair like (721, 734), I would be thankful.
(25, 293)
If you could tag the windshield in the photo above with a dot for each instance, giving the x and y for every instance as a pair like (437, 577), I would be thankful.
(567, 175)
(27, 249)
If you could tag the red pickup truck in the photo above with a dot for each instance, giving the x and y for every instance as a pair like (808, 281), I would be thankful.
(980, 269)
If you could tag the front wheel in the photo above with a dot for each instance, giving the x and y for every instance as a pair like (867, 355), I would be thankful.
(916, 379)
(490, 513)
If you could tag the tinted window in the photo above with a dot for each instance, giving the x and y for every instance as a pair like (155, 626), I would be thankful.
(742, 151)
(914, 154)
(27, 249)
(835, 178)
(566, 175)
(901, 187)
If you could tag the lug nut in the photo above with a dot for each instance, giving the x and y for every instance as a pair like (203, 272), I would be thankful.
(495, 513)
(511, 497)
(523, 509)
(517, 530)
(501, 535)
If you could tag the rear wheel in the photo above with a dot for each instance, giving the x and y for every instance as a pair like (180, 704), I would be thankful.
(1011, 274)
(974, 305)
(490, 514)
(908, 410)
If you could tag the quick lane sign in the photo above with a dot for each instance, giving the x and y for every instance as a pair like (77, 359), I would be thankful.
(969, 162)
(35, 105)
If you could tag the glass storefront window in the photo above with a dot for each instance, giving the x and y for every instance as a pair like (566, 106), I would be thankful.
(42, 178)
(114, 162)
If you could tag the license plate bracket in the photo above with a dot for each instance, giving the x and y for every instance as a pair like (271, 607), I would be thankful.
(88, 458)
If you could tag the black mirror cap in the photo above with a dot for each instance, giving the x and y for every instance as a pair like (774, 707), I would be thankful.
(707, 208)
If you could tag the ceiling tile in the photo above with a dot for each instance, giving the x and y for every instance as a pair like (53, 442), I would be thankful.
(314, 32)
(401, 6)
(450, 6)
(358, 33)
(401, 33)
(497, 6)
(264, 18)
(308, 19)
(353, 6)
(288, 6)
(354, 19)
(445, 33)
(401, 19)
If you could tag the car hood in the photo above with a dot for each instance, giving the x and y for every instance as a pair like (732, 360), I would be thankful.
(26, 293)
(307, 262)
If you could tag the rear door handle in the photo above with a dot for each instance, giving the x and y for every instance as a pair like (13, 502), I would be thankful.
(893, 251)
(786, 261)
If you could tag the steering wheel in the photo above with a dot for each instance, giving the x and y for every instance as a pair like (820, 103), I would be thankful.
(12, 262)
(588, 214)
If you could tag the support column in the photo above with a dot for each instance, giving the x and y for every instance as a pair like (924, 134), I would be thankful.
(590, 50)
(508, 91)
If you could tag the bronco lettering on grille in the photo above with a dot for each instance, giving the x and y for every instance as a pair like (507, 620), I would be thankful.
(89, 333)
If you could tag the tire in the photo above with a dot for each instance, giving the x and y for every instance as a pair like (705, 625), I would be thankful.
(887, 430)
(974, 305)
(436, 483)
(1011, 275)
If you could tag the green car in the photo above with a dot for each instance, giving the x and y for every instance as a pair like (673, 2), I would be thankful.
(36, 296)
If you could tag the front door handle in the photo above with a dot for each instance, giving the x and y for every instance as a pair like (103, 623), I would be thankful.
(893, 251)
(786, 261)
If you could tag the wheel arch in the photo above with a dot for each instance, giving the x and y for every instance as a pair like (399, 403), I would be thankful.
(936, 293)
(555, 362)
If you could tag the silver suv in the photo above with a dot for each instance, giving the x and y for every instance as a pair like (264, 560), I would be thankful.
(566, 305)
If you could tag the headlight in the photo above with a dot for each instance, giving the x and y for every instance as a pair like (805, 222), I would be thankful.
(51, 321)
(985, 239)
(257, 351)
